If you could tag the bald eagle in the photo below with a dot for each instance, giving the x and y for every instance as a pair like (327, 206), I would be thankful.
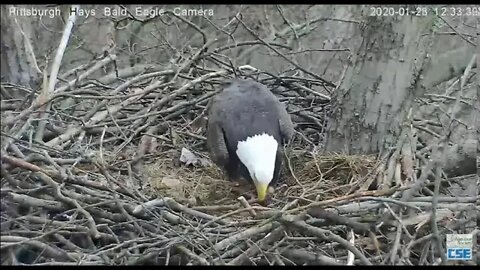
(247, 128)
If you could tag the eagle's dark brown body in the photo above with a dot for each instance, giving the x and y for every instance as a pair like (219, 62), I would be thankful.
(243, 109)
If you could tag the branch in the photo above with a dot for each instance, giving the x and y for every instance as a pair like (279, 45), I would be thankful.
(324, 234)
(446, 66)
(328, 83)
(52, 81)
(243, 235)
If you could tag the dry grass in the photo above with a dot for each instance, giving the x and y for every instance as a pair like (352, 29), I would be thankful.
(191, 185)
(306, 176)
(314, 177)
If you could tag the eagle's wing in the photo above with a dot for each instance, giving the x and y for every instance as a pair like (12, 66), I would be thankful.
(285, 122)
(216, 143)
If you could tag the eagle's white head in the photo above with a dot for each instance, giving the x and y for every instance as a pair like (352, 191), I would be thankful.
(258, 154)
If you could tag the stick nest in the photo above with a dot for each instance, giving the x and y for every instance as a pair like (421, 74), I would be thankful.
(95, 177)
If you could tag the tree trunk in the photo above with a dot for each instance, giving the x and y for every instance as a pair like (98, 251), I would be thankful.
(18, 62)
(378, 91)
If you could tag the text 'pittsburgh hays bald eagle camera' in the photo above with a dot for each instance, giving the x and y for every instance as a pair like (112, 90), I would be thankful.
(247, 128)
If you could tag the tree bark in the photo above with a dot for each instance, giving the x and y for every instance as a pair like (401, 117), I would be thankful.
(382, 82)
(18, 61)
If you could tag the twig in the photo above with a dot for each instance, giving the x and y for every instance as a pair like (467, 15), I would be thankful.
(433, 217)
(28, 45)
(311, 258)
(245, 204)
(55, 252)
(243, 235)
(284, 57)
(175, 206)
(357, 227)
(324, 234)
(58, 193)
(351, 256)
(35, 202)
(271, 237)
(75, 130)
(455, 30)
(396, 243)
(52, 79)
(192, 255)
(351, 196)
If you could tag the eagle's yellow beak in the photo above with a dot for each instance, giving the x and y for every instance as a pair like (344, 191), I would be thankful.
(261, 191)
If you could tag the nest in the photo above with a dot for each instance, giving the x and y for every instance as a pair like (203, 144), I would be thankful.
(308, 176)
(315, 177)
(187, 184)
(96, 178)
